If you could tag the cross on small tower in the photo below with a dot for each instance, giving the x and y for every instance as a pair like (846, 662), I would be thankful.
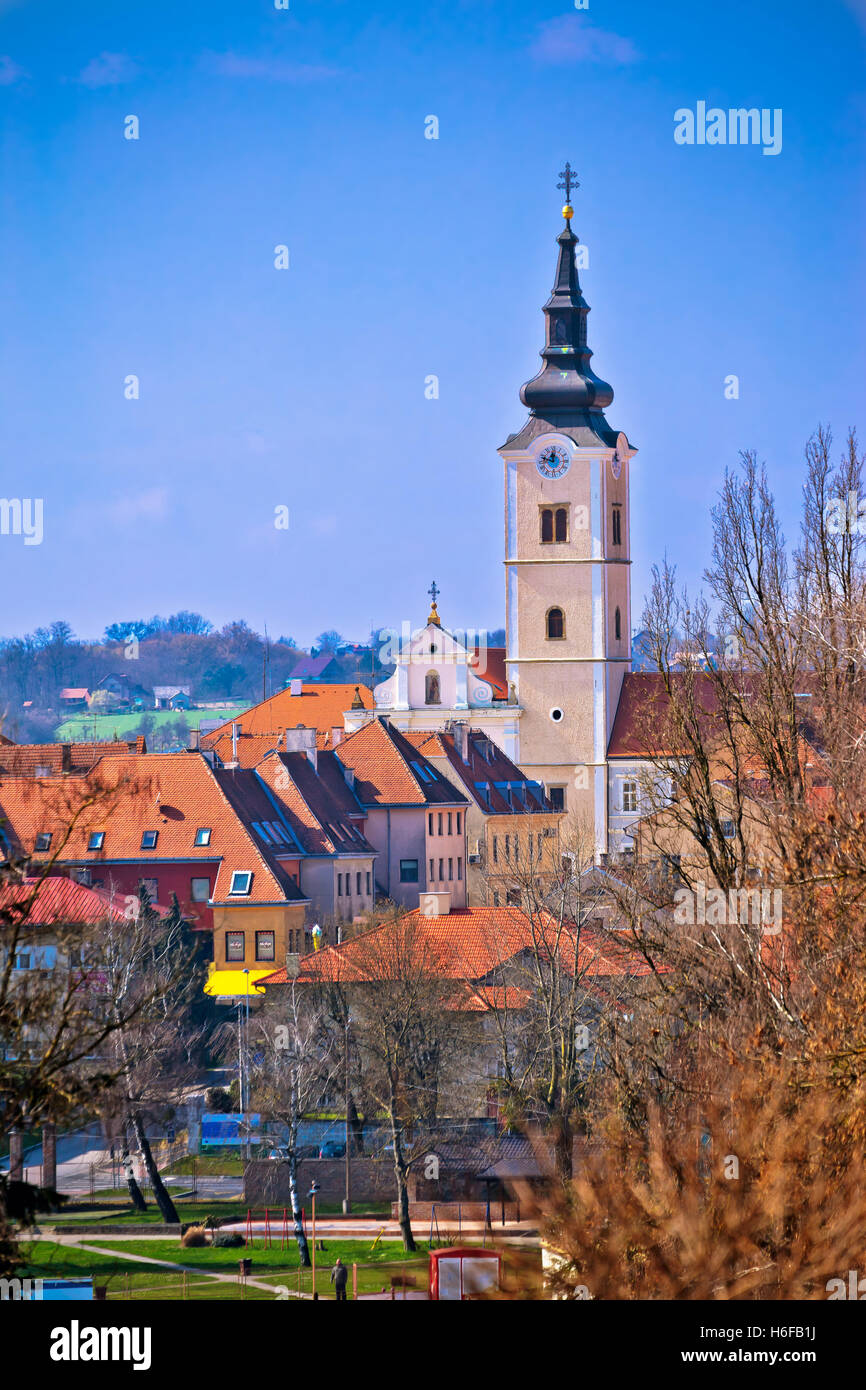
(568, 177)
(433, 591)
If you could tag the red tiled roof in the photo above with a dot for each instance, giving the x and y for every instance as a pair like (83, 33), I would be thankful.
(317, 707)
(489, 665)
(640, 728)
(172, 793)
(470, 942)
(74, 692)
(381, 758)
(59, 900)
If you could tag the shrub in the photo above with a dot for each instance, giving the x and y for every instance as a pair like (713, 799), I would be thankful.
(228, 1239)
(193, 1237)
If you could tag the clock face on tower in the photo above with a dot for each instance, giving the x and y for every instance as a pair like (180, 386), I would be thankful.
(553, 462)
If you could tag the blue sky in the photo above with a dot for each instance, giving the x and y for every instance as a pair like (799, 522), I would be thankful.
(408, 257)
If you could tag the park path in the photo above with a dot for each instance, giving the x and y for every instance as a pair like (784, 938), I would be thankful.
(172, 1265)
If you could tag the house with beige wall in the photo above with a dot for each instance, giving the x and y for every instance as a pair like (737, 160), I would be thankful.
(416, 818)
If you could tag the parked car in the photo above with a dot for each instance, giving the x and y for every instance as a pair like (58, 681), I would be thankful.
(332, 1148)
(280, 1154)
(408, 1146)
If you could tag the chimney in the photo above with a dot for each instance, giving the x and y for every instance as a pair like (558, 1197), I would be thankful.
(293, 964)
(296, 687)
(434, 904)
(302, 740)
(336, 735)
(461, 739)
(66, 757)
(192, 743)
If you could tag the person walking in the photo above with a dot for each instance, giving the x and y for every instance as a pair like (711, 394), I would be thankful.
(339, 1278)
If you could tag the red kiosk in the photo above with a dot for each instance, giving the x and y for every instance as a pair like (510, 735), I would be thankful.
(463, 1272)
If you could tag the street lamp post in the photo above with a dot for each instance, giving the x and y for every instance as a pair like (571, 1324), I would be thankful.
(314, 1187)
(347, 1200)
(245, 1085)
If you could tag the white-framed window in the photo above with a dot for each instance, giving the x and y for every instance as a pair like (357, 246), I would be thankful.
(242, 882)
(629, 795)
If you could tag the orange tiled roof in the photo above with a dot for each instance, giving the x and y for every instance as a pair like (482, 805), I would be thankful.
(172, 793)
(317, 707)
(322, 813)
(381, 758)
(470, 942)
(22, 759)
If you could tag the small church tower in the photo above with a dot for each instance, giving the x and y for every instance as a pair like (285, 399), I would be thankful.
(568, 608)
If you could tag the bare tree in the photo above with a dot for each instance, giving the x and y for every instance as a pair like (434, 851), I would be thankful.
(157, 962)
(300, 1058)
(406, 1033)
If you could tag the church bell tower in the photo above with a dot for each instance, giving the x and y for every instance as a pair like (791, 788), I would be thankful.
(568, 605)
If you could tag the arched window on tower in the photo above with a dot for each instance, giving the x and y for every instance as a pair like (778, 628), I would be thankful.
(546, 525)
(617, 626)
(555, 624)
(562, 524)
(432, 691)
(616, 524)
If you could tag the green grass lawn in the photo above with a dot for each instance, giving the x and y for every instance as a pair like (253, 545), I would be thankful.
(87, 727)
(276, 1267)
(126, 1215)
(45, 1260)
(207, 1165)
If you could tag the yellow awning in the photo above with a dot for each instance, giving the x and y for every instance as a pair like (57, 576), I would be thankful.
(236, 983)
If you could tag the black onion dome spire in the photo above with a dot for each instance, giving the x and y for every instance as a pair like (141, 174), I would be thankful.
(566, 381)
(566, 395)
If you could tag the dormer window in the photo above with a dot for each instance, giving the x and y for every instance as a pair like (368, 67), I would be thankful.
(242, 882)
(202, 835)
(97, 840)
(149, 839)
